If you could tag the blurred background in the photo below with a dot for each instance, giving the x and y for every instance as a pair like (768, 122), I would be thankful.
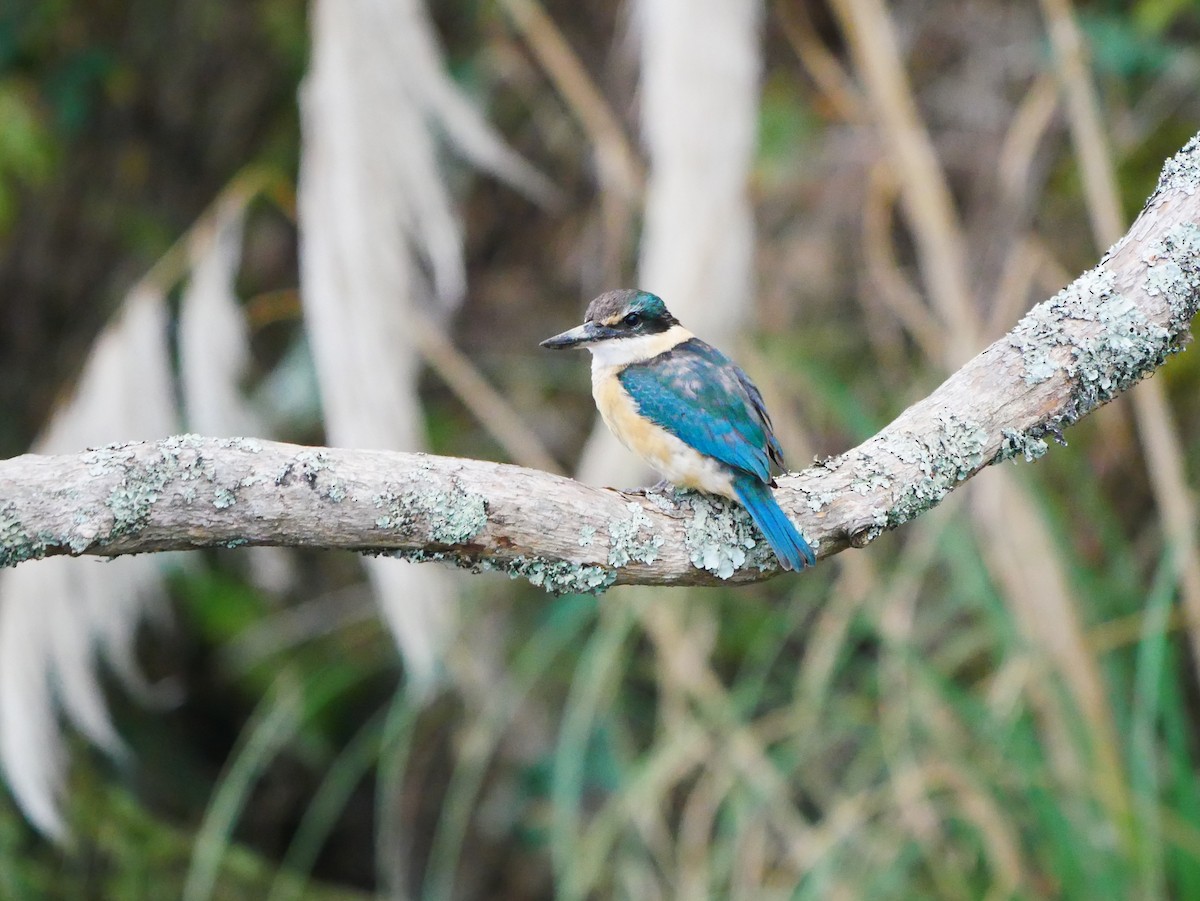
(350, 222)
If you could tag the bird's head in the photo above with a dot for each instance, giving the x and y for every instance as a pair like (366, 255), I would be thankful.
(623, 324)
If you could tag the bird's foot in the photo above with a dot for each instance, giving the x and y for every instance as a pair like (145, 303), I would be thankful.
(662, 486)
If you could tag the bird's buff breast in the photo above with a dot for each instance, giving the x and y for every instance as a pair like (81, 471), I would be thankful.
(678, 462)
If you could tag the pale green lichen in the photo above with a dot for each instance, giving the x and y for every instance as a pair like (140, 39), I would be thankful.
(309, 465)
(1173, 271)
(250, 445)
(624, 544)
(1127, 347)
(454, 516)
(190, 470)
(141, 481)
(17, 545)
(133, 498)
(1122, 347)
(665, 503)
(960, 445)
(1182, 171)
(587, 534)
(1029, 445)
(1038, 365)
(179, 461)
(83, 533)
(554, 576)
(819, 501)
(868, 479)
(311, 462)
(946, 456)
(179, 464)
(720, 537)
(559, 576)
(394, 515)
(458, 514)
(1038, 335)
(187, 441)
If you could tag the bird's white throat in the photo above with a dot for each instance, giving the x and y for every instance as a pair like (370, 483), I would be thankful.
(636, 348)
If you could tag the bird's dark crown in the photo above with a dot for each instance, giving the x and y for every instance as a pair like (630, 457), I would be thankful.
(630, 312)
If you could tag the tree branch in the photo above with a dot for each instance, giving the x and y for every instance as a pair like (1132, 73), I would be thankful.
(1111, 327)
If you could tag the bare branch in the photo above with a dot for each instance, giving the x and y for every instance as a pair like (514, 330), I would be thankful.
(1111, 327)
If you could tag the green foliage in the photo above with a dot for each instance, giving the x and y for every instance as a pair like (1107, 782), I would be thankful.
(786, 128)
(1121, 48)
(1155, 16)
(27, 150)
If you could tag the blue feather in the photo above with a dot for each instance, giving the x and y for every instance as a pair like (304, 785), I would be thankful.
(789, 545)
(697, 394)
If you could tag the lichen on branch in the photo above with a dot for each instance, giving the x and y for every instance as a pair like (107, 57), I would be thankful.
(1095, 339)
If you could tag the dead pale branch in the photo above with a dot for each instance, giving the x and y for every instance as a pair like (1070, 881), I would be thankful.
(1111, 327)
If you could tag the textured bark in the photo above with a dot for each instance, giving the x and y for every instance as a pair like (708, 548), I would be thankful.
(1111, 327)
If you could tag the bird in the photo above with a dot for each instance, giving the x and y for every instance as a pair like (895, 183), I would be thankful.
(685, 408)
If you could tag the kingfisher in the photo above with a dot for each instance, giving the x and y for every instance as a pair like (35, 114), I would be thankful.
(685, 408)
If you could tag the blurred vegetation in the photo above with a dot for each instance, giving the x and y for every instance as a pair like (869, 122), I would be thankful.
(883, 727)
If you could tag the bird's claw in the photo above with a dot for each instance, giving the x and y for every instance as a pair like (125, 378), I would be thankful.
(662, 486)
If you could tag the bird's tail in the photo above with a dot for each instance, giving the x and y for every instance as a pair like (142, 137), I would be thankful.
(789, 545)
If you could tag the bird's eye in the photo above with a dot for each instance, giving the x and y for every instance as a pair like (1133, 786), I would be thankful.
(632, 320)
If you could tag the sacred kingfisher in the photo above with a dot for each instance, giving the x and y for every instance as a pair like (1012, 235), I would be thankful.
(685, 408)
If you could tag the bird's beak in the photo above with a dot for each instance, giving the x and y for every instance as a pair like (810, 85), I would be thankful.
(577, 337)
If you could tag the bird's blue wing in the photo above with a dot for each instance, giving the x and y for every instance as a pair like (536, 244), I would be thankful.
(697, 394)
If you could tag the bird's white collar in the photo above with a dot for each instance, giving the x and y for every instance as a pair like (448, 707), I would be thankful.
(636, 348)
